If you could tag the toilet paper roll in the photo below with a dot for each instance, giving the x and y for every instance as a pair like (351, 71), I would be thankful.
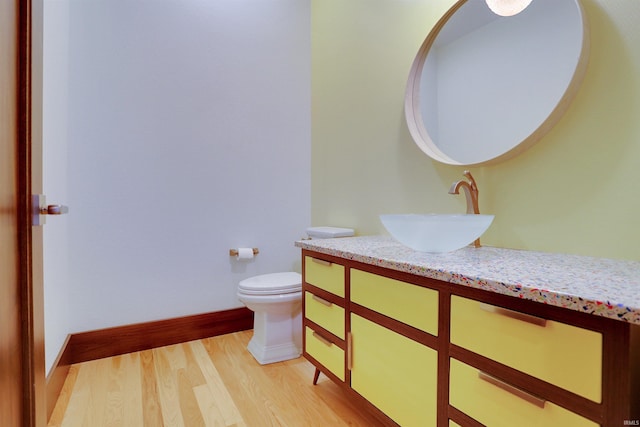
(245, 253)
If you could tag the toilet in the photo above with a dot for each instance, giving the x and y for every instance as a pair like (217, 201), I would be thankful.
(276, 301)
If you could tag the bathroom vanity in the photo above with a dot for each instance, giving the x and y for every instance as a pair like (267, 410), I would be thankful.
(479, 336)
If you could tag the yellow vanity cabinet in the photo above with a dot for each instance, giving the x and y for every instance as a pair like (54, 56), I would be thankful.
(394, 373)
(397, 374)
(564, 355)
(324, 316)
(367, 332)
(325, 351)
(324, 274)
(325, 333)
(495, 403)
(560, 354)
(417, 351)
(405, 302)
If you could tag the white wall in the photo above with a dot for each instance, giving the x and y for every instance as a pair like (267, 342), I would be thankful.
(189, 134)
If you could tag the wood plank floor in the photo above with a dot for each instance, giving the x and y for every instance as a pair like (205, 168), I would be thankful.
(210, 382)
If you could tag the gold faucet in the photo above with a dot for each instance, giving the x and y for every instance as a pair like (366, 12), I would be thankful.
(471, 193)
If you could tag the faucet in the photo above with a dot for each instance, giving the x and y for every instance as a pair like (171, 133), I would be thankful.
(471, 193)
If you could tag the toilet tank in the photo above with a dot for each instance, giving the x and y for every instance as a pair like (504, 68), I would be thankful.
(329, 232)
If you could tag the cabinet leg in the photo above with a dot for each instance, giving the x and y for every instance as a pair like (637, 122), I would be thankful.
(315, 376)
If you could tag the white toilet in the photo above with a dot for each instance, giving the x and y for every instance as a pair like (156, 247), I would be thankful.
(276, 301)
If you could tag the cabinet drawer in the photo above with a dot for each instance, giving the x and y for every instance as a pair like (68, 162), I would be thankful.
(494, 406)
(407, 303)
(325, 275)
(564, 355)
(396, 374)
(325, 352)
(328, 315)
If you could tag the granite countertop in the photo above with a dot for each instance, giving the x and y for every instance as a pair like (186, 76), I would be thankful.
(598, 286)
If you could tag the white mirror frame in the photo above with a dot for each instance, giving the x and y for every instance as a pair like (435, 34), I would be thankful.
(413, 111)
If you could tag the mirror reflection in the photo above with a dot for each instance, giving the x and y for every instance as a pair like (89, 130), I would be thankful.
(484, 87)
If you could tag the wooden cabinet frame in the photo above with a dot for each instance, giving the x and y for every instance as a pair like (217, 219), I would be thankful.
(620, 363)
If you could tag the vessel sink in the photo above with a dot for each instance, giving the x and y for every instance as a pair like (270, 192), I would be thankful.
(436, 232)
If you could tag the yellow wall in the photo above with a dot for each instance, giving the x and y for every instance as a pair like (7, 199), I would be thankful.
(576, 191)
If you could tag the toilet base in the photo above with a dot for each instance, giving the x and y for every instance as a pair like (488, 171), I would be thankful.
(276, 337)
(272, 354)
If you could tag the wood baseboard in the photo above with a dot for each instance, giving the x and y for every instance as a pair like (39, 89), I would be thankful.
(91, 345)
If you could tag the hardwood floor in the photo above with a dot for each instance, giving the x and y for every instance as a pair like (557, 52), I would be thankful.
(209, 382)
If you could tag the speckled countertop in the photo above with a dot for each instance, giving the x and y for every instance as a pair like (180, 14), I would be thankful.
(603, 287)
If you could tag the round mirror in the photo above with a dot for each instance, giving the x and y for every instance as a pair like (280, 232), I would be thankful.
(485, 87)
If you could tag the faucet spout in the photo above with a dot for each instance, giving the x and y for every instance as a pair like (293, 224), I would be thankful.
(471, 194)
(470, 191)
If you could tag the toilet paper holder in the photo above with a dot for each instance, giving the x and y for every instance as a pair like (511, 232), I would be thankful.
(234, 252)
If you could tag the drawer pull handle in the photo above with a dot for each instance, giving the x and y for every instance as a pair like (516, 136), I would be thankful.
(349, 351)
(322, 339)
(322, 301)
(538, 321)
(535, 400)
(322, 262)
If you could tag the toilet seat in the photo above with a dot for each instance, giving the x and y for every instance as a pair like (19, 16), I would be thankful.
(271, 284)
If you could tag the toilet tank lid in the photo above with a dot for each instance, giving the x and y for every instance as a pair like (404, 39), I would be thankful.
(329, 232)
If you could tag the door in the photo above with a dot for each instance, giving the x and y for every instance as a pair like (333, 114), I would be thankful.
(22, 377)
(10, 299)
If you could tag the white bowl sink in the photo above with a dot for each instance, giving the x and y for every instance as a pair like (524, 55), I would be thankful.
(436, 232)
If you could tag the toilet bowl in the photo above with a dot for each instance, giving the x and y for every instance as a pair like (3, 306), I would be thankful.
(276, 300)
